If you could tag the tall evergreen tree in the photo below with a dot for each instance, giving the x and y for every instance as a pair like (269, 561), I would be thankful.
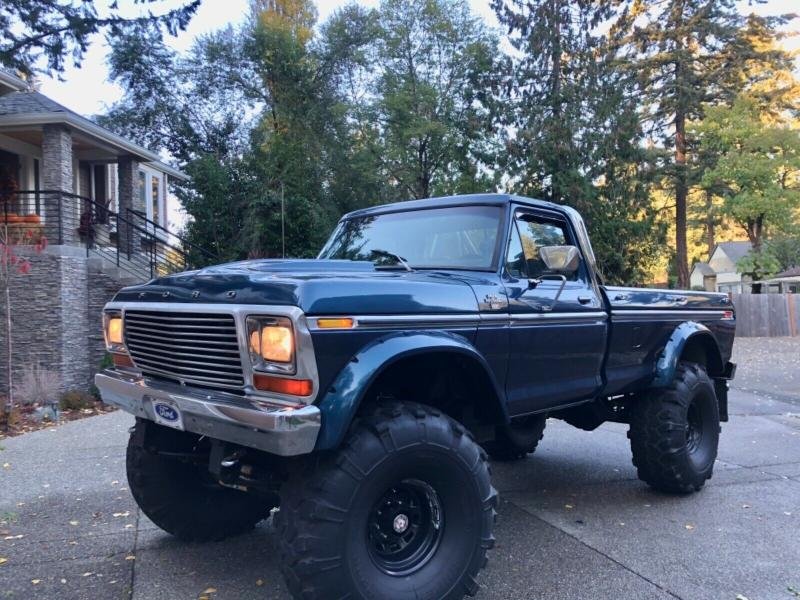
(574, 134)
(686, 53)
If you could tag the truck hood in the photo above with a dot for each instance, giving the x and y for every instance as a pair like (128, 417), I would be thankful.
(318, 287)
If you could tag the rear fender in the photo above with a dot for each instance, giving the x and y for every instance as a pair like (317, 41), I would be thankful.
(688, 335)
(341, 402)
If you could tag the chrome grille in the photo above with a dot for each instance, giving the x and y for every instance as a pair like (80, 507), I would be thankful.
(196, 348)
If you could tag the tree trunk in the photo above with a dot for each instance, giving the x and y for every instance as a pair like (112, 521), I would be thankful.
(711, 226)
(681, 193)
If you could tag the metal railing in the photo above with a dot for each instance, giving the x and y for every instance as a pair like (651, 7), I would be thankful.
(135, 244)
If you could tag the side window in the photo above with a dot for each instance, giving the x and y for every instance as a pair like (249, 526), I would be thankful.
(535, 233)
(515, 260)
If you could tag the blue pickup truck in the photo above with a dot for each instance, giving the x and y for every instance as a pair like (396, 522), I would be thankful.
(362, 392)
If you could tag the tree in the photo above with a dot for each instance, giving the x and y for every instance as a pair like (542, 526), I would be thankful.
(686, 54)
(758, 169)
(432, 108)
(757, 173)
(50, 31)
(574, 136)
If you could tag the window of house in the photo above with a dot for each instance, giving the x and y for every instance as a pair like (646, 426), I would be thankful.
(152, 195)
(155, 198)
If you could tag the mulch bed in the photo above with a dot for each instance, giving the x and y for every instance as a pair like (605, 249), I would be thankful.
(26, 420)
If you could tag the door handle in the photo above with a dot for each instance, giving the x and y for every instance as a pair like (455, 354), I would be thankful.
(584, 299)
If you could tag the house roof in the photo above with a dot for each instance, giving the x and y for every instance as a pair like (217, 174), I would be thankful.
(791, 272)
(734, 250)
(11, 81)
(23, 108)
(704, 268)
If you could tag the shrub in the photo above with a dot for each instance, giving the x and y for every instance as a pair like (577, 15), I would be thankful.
(76, 400)
(37, 386)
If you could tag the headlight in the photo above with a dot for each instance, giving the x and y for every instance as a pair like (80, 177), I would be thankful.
(271, 344)
(112, 329)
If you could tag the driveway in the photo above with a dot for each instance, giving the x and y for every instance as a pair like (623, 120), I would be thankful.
(574, 520)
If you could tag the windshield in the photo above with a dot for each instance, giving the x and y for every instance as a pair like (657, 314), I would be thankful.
(461, 237)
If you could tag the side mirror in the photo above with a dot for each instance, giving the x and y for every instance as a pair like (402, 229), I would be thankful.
(560, 259)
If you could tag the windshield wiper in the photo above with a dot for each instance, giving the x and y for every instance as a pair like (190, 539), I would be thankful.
(399, 259)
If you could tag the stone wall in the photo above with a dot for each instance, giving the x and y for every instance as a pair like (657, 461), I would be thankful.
(55, 314)
(102, 287)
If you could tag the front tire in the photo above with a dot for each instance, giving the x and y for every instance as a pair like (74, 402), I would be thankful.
(180, 496)
(405, 509)
(674, 432)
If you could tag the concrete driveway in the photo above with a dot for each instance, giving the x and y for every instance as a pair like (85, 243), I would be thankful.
(574, 521)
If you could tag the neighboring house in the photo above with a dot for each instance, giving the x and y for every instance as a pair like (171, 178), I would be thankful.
(47, 147)
(101, 202)
(719, 274)
(785, 282)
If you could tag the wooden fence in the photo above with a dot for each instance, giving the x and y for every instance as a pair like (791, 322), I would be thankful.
(767, 315)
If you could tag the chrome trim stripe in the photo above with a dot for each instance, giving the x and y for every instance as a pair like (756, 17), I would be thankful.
(451, 321)
(638, 315)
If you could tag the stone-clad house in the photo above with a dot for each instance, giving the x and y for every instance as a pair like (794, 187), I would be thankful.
(101, 202)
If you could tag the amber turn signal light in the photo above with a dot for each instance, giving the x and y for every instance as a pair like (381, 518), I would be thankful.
(281, 385)
(335, 323)
(122, 360)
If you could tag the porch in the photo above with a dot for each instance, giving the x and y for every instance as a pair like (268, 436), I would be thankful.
(131, 242)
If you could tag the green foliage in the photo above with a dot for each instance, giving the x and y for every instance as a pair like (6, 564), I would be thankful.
(757, 171)
(686, 54)
(758, 265)
(592, 108)
(41, 34)
(786, 251)
(577, 136)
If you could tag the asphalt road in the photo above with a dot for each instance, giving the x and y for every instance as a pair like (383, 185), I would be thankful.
(574, 520)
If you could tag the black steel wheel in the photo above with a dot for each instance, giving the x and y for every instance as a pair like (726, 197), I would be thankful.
(404, 527)
(674, 432)
(404, 510)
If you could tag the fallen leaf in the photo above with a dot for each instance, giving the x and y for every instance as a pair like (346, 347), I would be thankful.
(689, 527)
(36, 581)
(3, 560)
(746, 506)
(130, 557)
(6, 465)
(259, 582)
(74, 523)
(115, 482)
(87, 574)
(568, 506)
(210, 590)
(129, 526)
(127, 513)
(14, 537)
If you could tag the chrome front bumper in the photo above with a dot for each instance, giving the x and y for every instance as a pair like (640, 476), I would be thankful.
(278, 430)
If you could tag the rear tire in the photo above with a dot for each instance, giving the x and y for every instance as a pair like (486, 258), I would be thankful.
(517, 439)
(404, 510)
(181, 497)
(674, 432)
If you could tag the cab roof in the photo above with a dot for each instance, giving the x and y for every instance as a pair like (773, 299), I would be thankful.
(451, 201)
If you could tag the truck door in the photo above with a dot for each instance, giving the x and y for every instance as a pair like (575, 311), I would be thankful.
(556, 347)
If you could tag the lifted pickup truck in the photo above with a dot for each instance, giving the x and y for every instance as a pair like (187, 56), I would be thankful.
(361, 391)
